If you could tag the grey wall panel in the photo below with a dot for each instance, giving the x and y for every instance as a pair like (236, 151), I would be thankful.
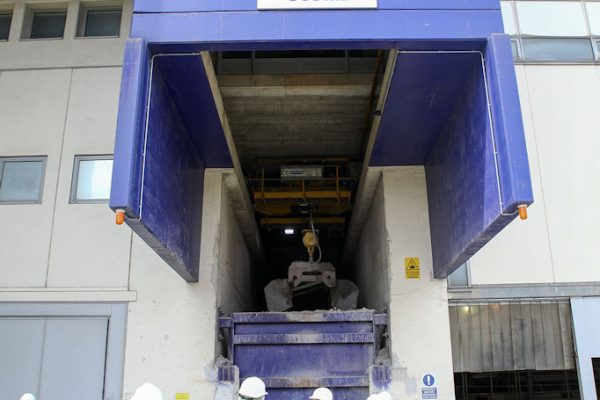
(74, 358)
(21, 343)
(511, 336)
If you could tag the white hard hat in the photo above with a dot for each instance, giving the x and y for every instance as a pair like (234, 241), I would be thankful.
(147, 392)
(384, 396)
(27, 396)
(253, 387)
(322, 393)
(380, 396)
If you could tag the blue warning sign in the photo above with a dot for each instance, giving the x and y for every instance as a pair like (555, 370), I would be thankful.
(428, 380)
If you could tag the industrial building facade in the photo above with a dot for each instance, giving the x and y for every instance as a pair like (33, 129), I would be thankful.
(450, 168)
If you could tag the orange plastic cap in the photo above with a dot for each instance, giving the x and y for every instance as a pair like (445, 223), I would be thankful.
(523, 211)
(120, 217)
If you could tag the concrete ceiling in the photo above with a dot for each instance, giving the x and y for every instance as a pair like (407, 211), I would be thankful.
(297, 115)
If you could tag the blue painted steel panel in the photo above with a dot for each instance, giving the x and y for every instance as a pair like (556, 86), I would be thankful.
(406, 45)
(304, 327)
(161, 6)
(515, 178)
(190, 90)
(477, 171)
(297, 352)
(423, 95)
(292, 28)
(173, 178)
(127, 171)
(158, 174)
(339, 393)
(462, 188)
(435, 114)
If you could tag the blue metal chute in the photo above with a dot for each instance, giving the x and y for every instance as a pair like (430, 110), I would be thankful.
(168, 132)
(457, 113)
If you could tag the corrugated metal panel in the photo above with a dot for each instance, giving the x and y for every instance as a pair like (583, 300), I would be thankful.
(512, 336)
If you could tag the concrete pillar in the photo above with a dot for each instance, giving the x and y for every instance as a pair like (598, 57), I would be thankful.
(419, 320)
(586, 330)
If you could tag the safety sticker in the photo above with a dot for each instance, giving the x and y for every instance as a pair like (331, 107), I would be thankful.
(182, 396)
(412, 267)
(429, 393)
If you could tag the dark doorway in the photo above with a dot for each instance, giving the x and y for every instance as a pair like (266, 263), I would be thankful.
(517, 385)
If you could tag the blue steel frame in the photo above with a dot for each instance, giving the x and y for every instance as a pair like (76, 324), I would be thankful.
(296, 352)
(466, 128)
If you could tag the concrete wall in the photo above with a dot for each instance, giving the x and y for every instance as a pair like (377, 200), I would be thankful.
(558, 242)
(372, 274)
(19, 53)
(235, 263)
(419, 319)
(51, 106)
(172, 331)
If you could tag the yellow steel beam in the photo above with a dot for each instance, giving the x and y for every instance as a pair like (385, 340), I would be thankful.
(285, 209)
(298, 221)
(299, 194)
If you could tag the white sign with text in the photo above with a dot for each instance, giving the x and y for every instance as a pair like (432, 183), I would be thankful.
(314, 4)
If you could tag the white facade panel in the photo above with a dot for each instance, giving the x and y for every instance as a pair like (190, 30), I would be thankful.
(88, 228)
(32, 120)
(558, 242)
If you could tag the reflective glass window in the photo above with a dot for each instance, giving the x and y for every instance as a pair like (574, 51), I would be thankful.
(515, 50)
(48, 25)
(21, 180)
(102, 23)
(459, 278)
(551, 18)
(5, 20)
(557, 49)
(92, 179)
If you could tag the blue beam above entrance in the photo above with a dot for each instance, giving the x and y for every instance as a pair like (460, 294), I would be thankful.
(161, 6)
(292, 28)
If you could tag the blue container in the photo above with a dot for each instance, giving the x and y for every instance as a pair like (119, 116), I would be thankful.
(296, 352)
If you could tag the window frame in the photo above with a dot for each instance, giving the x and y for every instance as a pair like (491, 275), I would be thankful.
(467, 266)
(519, 36)
(10, 14)
(82, 20)
(27, 28)
(75, 178)
(43, 160)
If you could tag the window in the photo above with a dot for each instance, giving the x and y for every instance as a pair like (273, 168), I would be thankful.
(103, 22)
(553, 31)
(44, 24)
(91, 179)
(460, 277)
(21, 180)
(516, 53)
(557, 49)
(5, 20)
